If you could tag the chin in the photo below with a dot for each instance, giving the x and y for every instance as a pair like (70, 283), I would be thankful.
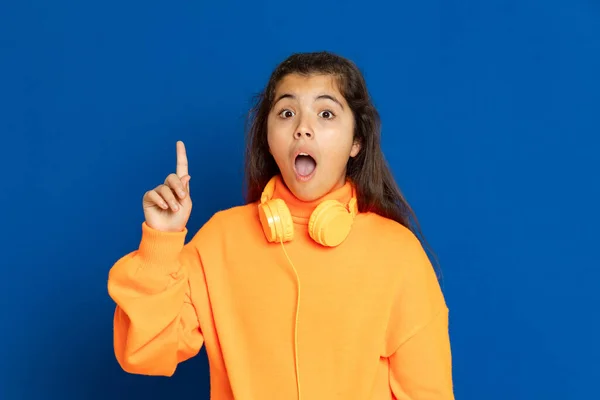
(307, 191)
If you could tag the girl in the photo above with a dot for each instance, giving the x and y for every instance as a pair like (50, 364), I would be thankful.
(316, 288)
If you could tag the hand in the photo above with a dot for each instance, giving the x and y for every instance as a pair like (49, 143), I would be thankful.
(168, 206)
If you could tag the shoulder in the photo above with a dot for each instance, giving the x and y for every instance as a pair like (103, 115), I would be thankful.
(223, 222)
(386, 231)
(235, 216)
(397, 245)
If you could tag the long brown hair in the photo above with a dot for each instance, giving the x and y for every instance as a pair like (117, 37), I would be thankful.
(376, 188)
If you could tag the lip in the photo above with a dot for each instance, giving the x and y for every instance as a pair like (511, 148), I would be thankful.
(304, 178)
(305, 151)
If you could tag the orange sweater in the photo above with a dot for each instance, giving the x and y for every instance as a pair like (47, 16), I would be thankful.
(372, 322)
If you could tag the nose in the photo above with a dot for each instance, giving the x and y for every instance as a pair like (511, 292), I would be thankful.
(303, 129)
(303, 134)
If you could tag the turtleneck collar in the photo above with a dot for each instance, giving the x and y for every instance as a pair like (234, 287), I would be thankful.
(301, 210)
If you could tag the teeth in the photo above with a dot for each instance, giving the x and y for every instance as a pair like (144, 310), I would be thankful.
(303, 154)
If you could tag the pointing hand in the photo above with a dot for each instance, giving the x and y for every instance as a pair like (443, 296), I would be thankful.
(167, 207)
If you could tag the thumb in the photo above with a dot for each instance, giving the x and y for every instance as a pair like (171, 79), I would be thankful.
(186, 183)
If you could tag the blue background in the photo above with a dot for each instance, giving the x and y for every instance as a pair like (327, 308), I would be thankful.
(490, 121)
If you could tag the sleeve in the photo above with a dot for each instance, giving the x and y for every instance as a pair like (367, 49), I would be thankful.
(156, 326)
(418, 342)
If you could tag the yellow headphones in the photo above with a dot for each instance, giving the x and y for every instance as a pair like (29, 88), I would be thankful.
(329, 223)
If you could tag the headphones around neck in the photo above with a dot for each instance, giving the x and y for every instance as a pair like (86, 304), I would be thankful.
(329, 223)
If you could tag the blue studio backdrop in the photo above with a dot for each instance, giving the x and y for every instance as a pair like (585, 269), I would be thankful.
(490, 122)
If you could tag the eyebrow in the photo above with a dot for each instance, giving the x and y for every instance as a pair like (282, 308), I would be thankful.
(319, 97)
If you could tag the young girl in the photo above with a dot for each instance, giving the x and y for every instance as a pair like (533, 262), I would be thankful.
(316, 288)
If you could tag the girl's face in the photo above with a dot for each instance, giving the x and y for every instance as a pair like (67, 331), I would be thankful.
(310, 131)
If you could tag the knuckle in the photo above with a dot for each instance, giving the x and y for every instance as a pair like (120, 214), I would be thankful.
(167, 193)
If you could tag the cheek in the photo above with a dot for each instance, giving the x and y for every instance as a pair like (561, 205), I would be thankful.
(339, 146)
(278, 129)
(340, 139)
(336, 155)
(275, 142)
(271, 136)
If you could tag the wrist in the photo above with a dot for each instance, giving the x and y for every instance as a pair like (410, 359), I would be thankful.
(160, 247)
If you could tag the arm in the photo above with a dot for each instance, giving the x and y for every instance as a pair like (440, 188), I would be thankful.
(421, 368)
(155, 323)
(419, 350)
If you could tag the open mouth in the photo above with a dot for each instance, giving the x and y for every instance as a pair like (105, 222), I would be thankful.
(305, 165)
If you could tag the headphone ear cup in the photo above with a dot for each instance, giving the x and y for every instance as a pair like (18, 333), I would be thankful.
(330, 223)
(276, 221)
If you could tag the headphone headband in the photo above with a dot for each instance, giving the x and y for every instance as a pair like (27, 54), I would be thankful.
(269, 191)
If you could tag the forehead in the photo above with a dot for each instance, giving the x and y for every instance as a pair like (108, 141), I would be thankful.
(308, 84)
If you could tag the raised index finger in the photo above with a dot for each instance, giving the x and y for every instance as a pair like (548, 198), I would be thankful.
(182, 162)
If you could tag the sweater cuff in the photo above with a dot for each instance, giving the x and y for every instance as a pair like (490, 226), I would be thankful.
(160, 248)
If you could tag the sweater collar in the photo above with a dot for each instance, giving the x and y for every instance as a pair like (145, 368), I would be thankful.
(301, 210)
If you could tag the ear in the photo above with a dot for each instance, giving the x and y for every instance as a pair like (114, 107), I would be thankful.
(355, 148)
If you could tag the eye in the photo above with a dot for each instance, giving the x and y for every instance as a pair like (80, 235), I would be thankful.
(327, 114)
(286, 113)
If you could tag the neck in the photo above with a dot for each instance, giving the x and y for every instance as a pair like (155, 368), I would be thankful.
(301, 210)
